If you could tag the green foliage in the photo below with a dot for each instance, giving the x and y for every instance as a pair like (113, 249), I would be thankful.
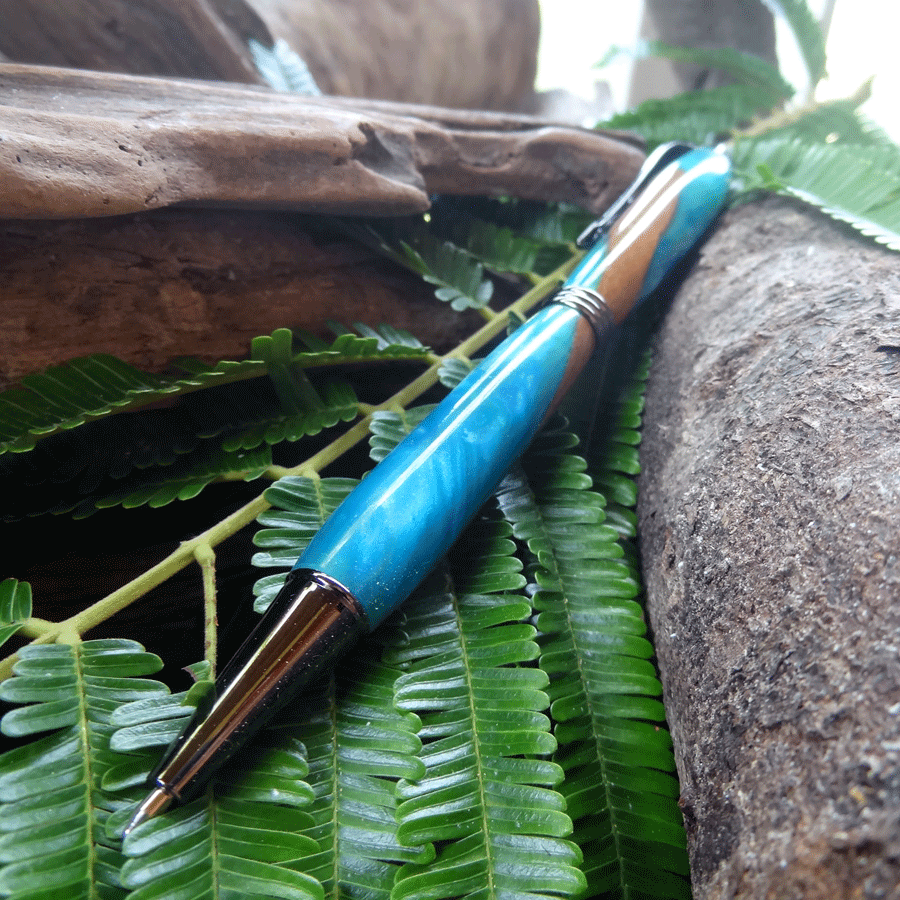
(282, 68)
(825, 154)
(701, 117)
(856, 184)
(66, 396)
(15, 607)
(459, 277)
(53, 840)
(226, 421)
(744, 68)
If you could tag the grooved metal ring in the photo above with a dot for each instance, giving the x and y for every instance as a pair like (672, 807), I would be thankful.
(591, 305)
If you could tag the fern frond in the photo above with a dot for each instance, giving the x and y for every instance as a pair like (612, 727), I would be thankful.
(15, 607)
(702, 117)
(246, 839)
(185, 479)
(65, 397)
(499, 247)
(358, 745)
(282, 69)
(53, 809)
(459, 277)
(299, 507)
(857, 185)
(744, 68)
(485, 796)
(807, 33)
(604, 690)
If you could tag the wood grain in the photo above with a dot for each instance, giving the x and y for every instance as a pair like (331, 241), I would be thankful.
(94, 144)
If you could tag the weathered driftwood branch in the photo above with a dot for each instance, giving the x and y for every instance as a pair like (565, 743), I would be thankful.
(475, 54)
(90, 144)
(186, 38)
(479, 54)
(199, 282)
(769, 506)
(156, 286)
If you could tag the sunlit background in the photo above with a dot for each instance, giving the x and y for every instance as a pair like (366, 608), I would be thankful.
(862, 42)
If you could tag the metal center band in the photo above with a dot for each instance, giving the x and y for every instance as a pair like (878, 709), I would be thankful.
(591, 305)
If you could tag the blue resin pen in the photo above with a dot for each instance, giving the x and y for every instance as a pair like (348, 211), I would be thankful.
(405, 514)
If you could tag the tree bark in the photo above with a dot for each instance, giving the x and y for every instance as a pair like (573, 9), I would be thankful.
(768, 512)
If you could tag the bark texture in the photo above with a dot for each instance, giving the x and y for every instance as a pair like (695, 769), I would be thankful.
(768, 510)
(152, 287)
(88, 144)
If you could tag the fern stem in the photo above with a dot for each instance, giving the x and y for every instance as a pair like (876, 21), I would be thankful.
(187, 552)
(782, 118)
(206, 559)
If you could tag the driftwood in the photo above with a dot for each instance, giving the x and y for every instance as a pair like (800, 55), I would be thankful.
(768, 511)
(188, 38)
(88, 144)
(197, 282)
(477, 54)
(157, 286)
(472, 53)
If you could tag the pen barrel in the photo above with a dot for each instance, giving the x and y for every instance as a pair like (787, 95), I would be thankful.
(664, 223)
(391, 531)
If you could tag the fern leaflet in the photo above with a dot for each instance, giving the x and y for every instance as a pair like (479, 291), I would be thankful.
(15, 607)
(604, 691)
(858, 185)
(53, 808)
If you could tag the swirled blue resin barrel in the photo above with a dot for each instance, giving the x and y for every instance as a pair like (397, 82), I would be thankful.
(409, 509)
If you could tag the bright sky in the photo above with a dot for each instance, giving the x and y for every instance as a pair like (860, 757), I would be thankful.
(862, 42)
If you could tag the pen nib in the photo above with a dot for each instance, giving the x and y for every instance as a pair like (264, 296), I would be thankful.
(156, 802)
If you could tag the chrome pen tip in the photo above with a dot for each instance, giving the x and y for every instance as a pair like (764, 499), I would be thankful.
(157, 801)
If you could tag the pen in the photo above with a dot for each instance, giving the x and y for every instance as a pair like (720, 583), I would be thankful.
(405, 514)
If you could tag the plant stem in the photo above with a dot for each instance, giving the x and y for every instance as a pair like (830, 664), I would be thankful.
(782, 118)
(194, 549)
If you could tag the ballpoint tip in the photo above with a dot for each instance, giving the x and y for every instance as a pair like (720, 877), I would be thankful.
(154, 803)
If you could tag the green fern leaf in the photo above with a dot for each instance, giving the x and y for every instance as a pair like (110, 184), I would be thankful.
(701, 117)
(65, 397)
(247, 838)
(53, 810)
(603, 689)
(485, 795)
(299, 508)
(807, 33)
(857, 185)
(358, 745)
(15, 607)
(460, 278)
(745, 68)
(282, 69)
(244, 843)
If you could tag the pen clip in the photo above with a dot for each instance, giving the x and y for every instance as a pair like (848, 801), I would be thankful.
(653, 165)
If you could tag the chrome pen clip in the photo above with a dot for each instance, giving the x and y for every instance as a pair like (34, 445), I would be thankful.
(653, 165)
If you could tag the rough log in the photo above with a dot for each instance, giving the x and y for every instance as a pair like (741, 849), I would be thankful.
(479, 54)
(768, 511)
(92, 144)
